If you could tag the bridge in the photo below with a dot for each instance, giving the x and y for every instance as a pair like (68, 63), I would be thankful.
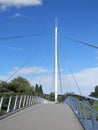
(27, 112)
(31, 112)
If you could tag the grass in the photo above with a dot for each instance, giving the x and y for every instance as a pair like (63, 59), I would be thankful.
(88, 112)
(96, 106)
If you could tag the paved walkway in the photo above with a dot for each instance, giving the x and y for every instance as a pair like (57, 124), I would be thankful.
(42, 117)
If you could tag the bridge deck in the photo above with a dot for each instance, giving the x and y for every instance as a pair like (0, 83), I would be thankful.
(42, 117)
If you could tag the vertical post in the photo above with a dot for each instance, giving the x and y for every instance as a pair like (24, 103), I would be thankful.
(15, 102)
(1, 101)
(93, 117)
(24, 101)
(20, 101)
(8, 108)
(27, 100)
(33, 99)
(30, 101)
(56, 59)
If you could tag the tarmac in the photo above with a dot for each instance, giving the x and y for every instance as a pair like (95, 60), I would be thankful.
(42, 117)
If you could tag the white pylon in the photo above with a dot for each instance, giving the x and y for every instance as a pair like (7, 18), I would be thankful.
(56, 60)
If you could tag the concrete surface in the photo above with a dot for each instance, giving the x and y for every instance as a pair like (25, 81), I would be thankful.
(42, 117)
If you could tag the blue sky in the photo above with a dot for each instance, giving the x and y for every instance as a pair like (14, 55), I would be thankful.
(77, 19)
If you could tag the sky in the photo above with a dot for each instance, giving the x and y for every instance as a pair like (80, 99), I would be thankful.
(77, 19)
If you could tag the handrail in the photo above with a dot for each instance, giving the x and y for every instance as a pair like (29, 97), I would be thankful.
(85, 113)
(12, 102)
(86, 97)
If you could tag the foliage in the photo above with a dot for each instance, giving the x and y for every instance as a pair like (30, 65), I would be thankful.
(38, 90)
(3, 87)
(17, 85)
(95, 94)
(41, 89)
(21, 85)
(52, 96)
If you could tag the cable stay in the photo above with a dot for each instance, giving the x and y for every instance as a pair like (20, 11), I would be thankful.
(23, 36)
(21, 67)
(74, 79)
(81, 42)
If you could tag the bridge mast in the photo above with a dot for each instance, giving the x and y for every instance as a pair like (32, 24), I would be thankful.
(56, 60)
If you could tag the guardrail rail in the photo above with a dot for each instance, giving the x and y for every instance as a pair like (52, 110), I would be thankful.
(83, 107)
(10, 103)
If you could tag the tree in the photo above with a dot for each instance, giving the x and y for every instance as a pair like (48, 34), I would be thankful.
(20, 85)
(96, 91)
(38, 90)
(95, 94)
(51, 97)
(3, 87)
(41, 89)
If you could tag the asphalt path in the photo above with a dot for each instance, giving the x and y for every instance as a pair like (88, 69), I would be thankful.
(42, 117)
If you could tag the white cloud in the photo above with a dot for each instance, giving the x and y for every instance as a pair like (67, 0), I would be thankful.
(17, 15)
(13, 48)
(31, 70)
(3, 78)
(3, 7)
(87, 79)
(4, 4)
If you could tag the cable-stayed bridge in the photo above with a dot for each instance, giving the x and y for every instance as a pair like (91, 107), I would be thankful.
(27, 112)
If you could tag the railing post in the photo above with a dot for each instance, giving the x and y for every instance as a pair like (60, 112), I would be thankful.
(77, 109)
(32, 99)
(24, 101)
(84, 114)
(27, 100)
(93, 118)
(1, 101)
(80, 112)
(30, 102)
(9, 103)
(20, 101)
(15, 102)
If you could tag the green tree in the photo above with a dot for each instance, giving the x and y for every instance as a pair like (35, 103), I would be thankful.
(36, 89)
(41, 89)
(52, 97)
(95, 94)
(20, 85)
(96, 91)
(3, 87)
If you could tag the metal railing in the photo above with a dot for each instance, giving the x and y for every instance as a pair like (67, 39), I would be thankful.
(10, 103)
(83, 107)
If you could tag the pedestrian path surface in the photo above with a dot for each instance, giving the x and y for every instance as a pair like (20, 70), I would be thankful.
(42, 117)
